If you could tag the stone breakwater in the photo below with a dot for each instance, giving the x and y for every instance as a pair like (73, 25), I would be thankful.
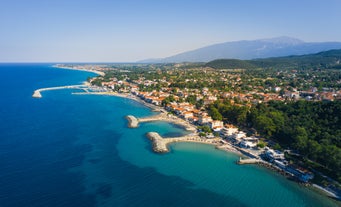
(37, 93)
(159, 145)
(132, 121)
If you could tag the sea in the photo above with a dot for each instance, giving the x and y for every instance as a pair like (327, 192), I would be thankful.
(70, 150)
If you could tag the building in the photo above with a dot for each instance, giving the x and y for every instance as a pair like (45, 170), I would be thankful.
(228, 131)
(247, 144)
(300, 173)
(236, 137)
(216, 125)
(205, 120)
(188, 115)
(273, 155)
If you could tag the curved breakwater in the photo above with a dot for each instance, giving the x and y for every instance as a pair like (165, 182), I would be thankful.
(37, 93)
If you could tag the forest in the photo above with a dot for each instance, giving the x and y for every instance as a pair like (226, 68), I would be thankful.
(323, 60)
(313, 129)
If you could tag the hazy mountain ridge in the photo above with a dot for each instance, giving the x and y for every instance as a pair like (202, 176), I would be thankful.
(251, 49)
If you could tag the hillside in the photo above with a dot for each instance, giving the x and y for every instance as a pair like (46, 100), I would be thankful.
(250, 49)
(325, 60)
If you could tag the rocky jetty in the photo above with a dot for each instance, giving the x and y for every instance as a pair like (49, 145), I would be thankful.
(159, 144)
(37, 94)
(133, 122)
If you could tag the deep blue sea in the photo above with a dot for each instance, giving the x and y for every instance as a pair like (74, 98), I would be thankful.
(76, 151)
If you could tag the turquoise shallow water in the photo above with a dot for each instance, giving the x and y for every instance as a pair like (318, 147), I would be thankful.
(76, 150)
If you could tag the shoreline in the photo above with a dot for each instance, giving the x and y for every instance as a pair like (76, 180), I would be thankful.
(162, 144)
(86, 70)
(178, 121)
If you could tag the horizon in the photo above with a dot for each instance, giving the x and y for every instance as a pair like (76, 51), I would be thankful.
(131, 31)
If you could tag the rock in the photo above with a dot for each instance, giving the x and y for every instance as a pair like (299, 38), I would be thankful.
(133, 122)
(158, 143)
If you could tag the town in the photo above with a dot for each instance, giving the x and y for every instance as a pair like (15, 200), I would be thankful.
(200, 95)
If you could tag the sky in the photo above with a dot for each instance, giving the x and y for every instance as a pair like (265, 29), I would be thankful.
(133, 30)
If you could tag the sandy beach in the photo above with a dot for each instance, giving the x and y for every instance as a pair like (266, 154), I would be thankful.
(91, 71)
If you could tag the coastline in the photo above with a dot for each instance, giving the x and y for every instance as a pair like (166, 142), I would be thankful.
(133, 122)
(230, 149)
(86, 70)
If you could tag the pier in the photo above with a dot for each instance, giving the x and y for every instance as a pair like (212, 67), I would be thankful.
(248, 161)
(37, 93)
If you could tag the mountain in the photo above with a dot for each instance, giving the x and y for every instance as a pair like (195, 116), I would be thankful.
(251, 49)
(324, 60)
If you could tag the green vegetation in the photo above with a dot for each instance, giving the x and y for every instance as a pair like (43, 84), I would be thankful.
(311, 128)
(231, 64)
(323, 60)
(261, 144)
(205, 129)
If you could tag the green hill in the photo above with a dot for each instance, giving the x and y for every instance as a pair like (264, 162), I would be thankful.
(324, 60)
(231, 64)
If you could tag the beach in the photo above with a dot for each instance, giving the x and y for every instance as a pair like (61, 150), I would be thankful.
(79, 69)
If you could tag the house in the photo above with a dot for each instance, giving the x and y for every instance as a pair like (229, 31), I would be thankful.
(272, 155)
(228, 131)
(216, 125)
(187, 115)
(178, 110)
(300, 173)
(247, 144)
(238, 136)
(204, 119)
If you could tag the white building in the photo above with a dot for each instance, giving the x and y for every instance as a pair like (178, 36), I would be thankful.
(247, 144)
(216, 125)
(226, 132)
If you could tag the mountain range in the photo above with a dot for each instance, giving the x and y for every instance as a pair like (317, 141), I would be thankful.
(250, 49)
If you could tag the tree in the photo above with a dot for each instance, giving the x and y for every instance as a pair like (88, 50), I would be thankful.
(261, 144)
(167, 100)
(265, 125)
(205, 129)
(277, 146)
(191, 99)
(300, 137)
(199, 104)
(215, 114)
(278, 119)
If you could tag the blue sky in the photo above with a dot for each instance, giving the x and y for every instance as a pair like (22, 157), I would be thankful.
(131, 30)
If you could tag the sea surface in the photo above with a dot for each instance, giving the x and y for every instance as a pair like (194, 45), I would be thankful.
(76, 150)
